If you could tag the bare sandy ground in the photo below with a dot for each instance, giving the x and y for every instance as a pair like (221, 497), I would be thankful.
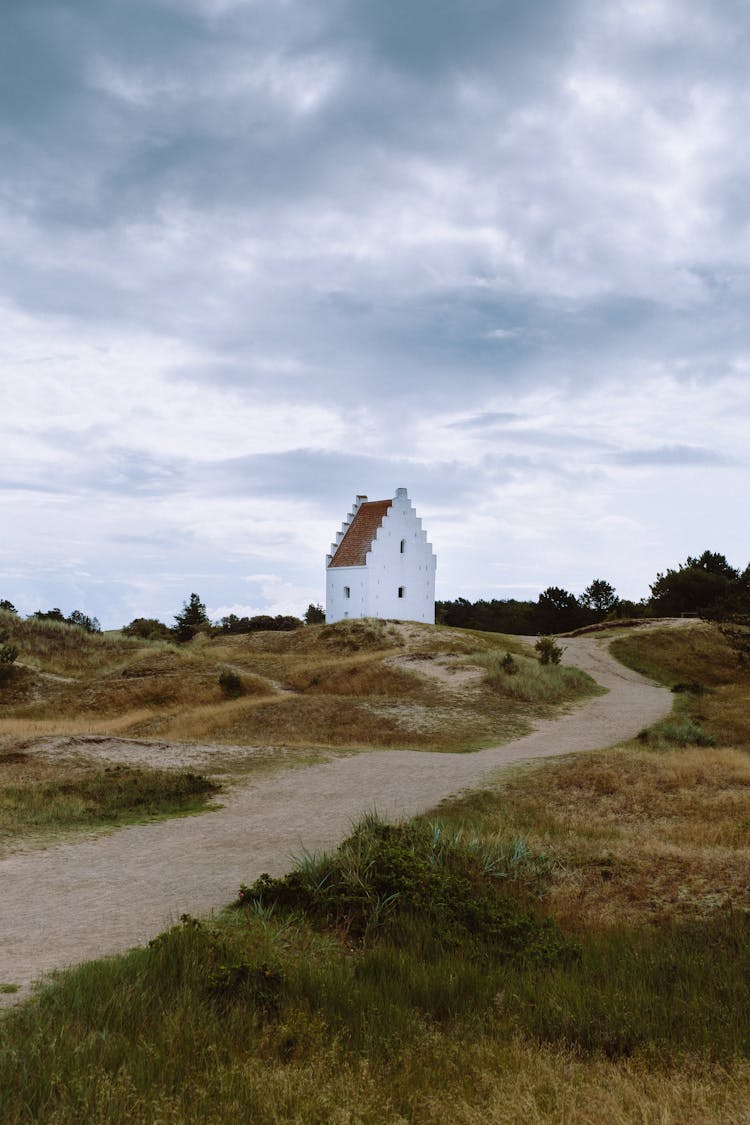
(81, 900)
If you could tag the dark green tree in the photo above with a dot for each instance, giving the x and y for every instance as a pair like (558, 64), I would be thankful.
(315, 615)
(192, 620)
(548, 650)
(599, 597)
(8, 606)
(83, 621)
(558, 610)
(713, 563)
(700, 585)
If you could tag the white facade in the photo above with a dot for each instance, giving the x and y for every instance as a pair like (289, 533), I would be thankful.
(391, 566)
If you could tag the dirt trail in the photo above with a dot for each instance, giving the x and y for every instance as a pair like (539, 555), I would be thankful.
(81, 900)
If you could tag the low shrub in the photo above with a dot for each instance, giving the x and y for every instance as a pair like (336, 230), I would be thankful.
(231, 684)
(415, 885)
(676, 731)
(548, 651)
(691, 688)
(685, 732)
(8, 656)
(8, 651)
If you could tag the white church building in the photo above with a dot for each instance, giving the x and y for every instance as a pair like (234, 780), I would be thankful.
(381, 564)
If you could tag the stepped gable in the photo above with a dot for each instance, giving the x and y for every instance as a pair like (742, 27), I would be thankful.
(353, 548)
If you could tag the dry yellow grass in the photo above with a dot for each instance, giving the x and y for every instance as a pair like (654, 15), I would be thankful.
(634, 836)
(350, 685)
(464, 1084)
(13, 730)
(652, 830)
(525, 1084)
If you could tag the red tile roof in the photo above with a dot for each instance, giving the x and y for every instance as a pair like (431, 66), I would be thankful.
(356, 543)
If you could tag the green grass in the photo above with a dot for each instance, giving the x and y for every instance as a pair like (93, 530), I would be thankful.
(677, 730)
(712, 687)
(696, 654)
(108, 797)
(527, 680)
(341, 992)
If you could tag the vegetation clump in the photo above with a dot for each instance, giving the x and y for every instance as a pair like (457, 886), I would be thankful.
(148, 629)
(77, 617)
(677, 731)
(109, 796)
(8, 653)
(231, 684)
(540, 681)
(548, 651)
(355, 636)
(414, 884)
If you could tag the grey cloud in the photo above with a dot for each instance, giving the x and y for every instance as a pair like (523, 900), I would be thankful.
(107, 470)
(327, 477)
(429, 36)
(489, 420)
(666, 456)
(104, 162)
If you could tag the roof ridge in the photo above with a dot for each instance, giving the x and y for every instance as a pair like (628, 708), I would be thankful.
(358, 538)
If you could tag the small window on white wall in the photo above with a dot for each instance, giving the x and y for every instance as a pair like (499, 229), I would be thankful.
(403, 546)
(347, 592)
(402, 591)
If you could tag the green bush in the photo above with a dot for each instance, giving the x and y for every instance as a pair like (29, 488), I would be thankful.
(414, 885)
(231, 684)
(8, 653)
(548, 651)
(685, 732)
(148, 629)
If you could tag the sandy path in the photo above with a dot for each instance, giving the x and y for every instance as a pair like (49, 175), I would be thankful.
(77, 901)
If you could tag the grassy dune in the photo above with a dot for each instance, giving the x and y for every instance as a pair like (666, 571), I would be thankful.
(41, 800)
(302, 694)
(350, 685)
(570, 945)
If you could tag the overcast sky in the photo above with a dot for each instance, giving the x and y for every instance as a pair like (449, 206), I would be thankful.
(261, 255)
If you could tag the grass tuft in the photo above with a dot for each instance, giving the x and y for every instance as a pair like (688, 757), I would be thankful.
(114, 795)
(417, 884)
(525, 679)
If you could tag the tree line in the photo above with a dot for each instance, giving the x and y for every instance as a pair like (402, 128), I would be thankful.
(194, 620)
(705, 585)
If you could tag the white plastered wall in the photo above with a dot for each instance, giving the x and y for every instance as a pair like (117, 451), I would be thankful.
(398, 579)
